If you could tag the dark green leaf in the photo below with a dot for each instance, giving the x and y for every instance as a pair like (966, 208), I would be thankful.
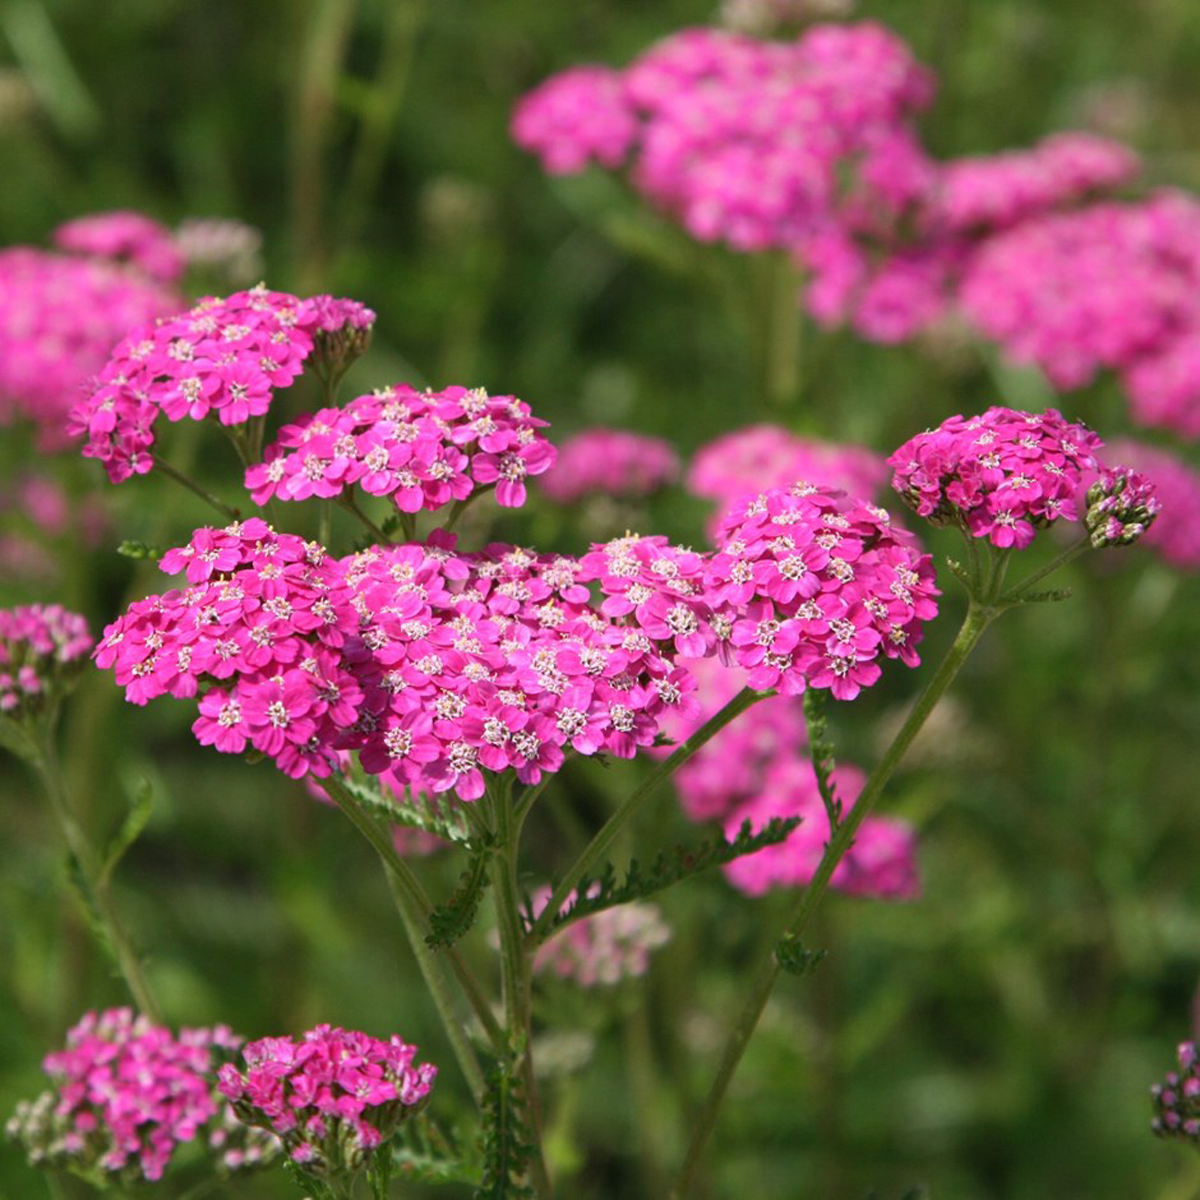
(450, 921)
(795, 958)
(142, 804)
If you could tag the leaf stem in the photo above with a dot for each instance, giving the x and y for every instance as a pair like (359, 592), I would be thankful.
(192, 486)
(99, 893)
(1061, 559)
(978, 618)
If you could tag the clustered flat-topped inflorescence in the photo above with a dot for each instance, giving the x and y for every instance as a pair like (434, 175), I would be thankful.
(766, 456)
(125, 236)
(60, 317)
(744, 140)
(42, 647)
(332, 1098)
(421, 449)
(127, 1094)
(1001, 475)
(224, 357)
(610, 462)
(436, 664)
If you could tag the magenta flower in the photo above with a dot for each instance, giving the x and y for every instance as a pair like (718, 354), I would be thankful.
(332, 1098)
(610, 462)
(126, 1094)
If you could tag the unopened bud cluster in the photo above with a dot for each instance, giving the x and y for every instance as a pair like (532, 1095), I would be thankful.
(1121, 506)
(1177, 1099)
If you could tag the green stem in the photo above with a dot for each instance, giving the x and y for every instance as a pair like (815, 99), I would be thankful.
(978, 618)
(460, 506)
(599, 845)
(99, 894)
(1061, 559)
(347, 501)
(516, 975)
(782, 331)
(192, 486)
(415, 908)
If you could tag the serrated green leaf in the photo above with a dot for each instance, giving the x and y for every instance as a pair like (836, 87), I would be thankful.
(795, 958)
(507, 1148)
(450, 921)
(413, 812)
(820, 749)
(141, 806)
(139, 551)
(669, 868)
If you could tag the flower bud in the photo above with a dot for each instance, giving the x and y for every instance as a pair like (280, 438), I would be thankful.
(1121, 506)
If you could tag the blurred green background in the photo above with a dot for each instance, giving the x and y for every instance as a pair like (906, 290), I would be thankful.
(995, 1038)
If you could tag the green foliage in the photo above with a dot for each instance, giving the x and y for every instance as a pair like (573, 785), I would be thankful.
(424, 1153)
(450, 921)
(140, 808)
(413, 812)
(598, 892)
(820, 748)
(507, 1148)
(139, 551)
(795, 958)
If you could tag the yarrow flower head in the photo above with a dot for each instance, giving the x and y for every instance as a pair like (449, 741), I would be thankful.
(604, 948)
(1177, 1099)
(60, 318)
(421, 449)
(224, 357)
(1121, 506)
(768, 456)
(612, 462)
(42, 650)
(1002, 475)
(125, 237)
(127, 1094)
(333, 1098)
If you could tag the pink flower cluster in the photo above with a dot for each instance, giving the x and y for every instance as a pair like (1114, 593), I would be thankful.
(421, 449)
(223, 357)
(755, 770)
(332, 1098)
(766, 456)
(743, 140)
(1177, 1099)
(1114, 286)
(126, 1094)
(810, 587)
(612, 462)
(436, 665)
(1175, 534)
(42, 646)
(125, 237)
(60, 317)
(610, 945)
(258, 633)
(1001, 475)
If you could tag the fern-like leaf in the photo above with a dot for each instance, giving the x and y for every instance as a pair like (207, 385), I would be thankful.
(450, 921)
(820, 748)
(507, 1148)
(669, 868)
(413, 812)
(423, 1153)
(795, 958)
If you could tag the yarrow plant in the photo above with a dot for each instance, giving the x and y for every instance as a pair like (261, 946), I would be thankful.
(127, 1095)
(43, 647)
(334, 1098)
(440, 688)
(611, 462)
(1177, 1099)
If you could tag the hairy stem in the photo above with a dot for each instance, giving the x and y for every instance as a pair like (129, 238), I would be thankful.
(229, 513)
(978, 618)
(598, 846)
(415, 908)
(99, 893)
(347, 501)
